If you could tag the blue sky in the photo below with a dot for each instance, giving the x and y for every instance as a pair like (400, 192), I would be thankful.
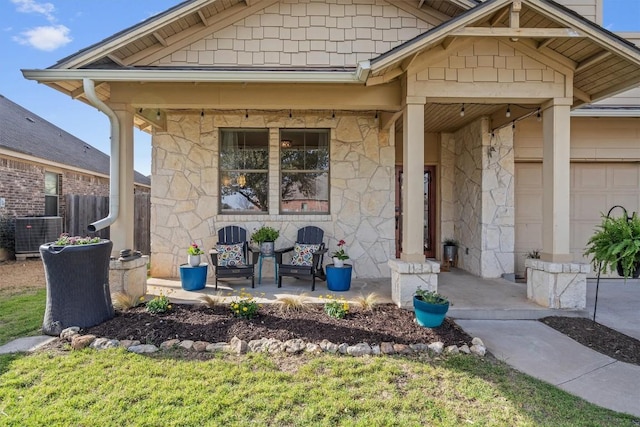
(36, 34)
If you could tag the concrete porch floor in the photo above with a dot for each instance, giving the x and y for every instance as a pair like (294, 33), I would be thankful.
(471, 297)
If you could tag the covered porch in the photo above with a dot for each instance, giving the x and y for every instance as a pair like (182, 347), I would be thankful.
(471, 297)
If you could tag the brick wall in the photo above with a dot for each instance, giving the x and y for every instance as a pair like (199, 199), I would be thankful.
(22, 188)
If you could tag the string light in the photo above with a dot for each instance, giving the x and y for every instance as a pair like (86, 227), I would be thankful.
(538, 116)
(333, 114)
(508, 111)
(140, 111)
(462, 111)
(246, 114)
(513, 124)
(158, 115)
(290, 114)
(376, 114)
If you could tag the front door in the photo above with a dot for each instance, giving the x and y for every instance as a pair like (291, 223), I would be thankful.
(429, 211)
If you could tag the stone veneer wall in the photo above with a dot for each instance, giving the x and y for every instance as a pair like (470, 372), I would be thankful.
(185, 189)
(484, 199)
(305, 33)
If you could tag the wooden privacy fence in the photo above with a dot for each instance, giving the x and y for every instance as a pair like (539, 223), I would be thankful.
(80, 211)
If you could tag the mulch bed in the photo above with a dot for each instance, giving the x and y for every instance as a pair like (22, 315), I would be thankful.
(386, 323)
(598, 337)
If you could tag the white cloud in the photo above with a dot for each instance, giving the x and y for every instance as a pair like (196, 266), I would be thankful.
(31, 6)
(45, 38)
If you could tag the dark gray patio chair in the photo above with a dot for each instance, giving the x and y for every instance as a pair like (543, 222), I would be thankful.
(306, 259)
(232, 257)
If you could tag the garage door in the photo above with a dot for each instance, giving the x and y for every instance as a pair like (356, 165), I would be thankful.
(595, 188)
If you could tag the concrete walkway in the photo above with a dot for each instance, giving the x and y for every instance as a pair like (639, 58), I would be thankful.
(542, 352)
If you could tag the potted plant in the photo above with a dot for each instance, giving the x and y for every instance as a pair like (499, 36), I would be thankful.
(194, 253)
(265, 238)
(450, 251)
(340, 256)
(616, 246)
(533, 254)
(430, 308)
(77, 282)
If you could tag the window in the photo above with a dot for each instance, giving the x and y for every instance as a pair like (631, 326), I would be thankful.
(244, 169)
(51, 193)
(304, 171)
(621, 15)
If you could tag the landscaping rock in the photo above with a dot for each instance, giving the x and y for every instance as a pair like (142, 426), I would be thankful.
(69, 333)
(274, 346)
(478, 350)
(257, 346)
(218, 346)
(436, 347)
(419, 348)
(312, 348)
(79, 342)
(328, 346)
(104, 343)
(294, 346)
(342, 348)
(143, 348)
(375, 350)
(186, 344)
(169, 344)
(359, 350)
(387, 348)
(452, 349)
(477, 341)
(465, 349)
(128, 343)
(238, 346)
(200, 346)
(402, 349)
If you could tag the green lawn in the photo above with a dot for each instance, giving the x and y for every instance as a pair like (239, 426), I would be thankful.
(115, 388)
(21, 314)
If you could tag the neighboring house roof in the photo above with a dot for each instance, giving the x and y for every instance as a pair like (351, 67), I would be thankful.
(24, 132)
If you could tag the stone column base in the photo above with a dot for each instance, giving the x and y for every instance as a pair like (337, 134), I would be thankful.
(407, 276)
(557, 285)
(129, 277)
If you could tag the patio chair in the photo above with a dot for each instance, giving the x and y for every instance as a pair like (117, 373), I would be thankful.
(306, 259)
(232, 256)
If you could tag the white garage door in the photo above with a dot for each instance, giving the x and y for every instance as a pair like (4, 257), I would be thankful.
(595, 188)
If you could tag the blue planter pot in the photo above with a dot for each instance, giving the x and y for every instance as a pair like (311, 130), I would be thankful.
(429, 315)
(193, 278)
(339, 278)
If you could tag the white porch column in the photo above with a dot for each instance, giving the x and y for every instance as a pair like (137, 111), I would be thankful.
(555, 281)
(555, 182)
(122, 229)
(413, 180)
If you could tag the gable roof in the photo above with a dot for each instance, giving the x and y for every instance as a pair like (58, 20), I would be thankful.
(24, 132)
(603, 64)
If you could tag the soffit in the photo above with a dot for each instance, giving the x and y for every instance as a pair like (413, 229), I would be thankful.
(602, 63)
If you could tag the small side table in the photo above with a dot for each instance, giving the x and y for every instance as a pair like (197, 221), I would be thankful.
(260, 258)
(193, 278)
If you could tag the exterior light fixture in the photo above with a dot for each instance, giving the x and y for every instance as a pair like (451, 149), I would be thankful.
(508, 111)
(462, 111)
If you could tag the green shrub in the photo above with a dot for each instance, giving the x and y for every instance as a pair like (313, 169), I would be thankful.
(159, 304)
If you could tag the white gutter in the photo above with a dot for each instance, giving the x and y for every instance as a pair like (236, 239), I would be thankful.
(273, 76)
(114, 165)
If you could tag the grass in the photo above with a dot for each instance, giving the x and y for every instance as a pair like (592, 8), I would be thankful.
(113, 388)
(21, 314)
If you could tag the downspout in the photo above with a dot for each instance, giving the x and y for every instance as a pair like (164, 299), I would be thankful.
(114, 167)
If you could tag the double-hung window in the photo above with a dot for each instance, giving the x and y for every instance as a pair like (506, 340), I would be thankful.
(51, 193)
(244, 170)
(304, 171)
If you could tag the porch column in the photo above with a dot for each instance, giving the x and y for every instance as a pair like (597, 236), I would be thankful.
(554, 280)
(122, 229)
(413, 180)
(555, 182)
